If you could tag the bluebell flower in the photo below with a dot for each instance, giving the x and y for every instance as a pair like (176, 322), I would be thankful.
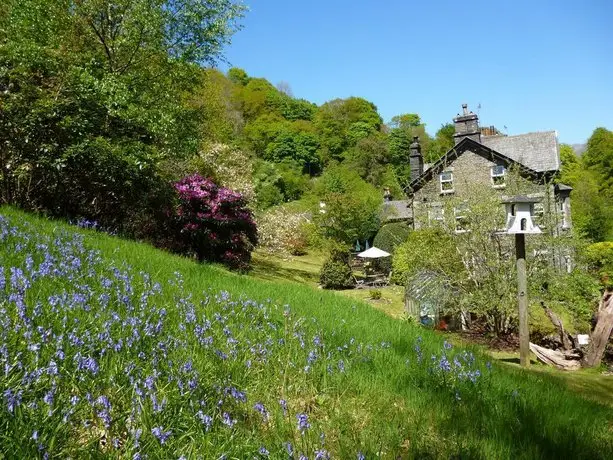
(227, 420)
(283, 404)
(262, 410)
(303, 422)
(160, 434)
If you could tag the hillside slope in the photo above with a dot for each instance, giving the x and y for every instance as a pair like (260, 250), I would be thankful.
(110, 348)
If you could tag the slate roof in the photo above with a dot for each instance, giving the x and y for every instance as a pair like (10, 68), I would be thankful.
(537, 151)
(468, 144)
(397, 210)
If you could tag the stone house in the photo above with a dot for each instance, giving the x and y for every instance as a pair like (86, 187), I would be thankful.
(482, 167)
(484, 161)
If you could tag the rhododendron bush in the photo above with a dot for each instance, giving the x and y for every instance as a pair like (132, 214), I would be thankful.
(214, 222)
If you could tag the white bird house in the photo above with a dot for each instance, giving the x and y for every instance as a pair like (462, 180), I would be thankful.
(520, 210)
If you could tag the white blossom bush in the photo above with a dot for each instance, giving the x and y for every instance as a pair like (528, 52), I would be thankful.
(282, 231)
(230, 167)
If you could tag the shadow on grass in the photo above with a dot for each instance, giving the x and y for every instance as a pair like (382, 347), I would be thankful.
(272, 271)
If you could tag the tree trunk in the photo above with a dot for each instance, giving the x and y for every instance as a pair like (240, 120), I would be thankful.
(600, 336)
(557, 322)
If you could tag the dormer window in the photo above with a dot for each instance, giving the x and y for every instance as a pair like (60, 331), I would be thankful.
(498, 176)
(446, 179)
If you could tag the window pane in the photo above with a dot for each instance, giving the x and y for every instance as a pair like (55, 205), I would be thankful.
(447, 176)
(498, 170)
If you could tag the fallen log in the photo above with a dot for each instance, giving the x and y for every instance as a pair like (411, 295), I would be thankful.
(564, 361)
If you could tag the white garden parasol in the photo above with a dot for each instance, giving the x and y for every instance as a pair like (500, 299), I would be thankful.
(374, 253)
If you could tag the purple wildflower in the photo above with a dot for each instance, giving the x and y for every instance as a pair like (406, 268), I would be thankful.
(262, 410)
(227, 420)
(13, 400)
(303, 422)
(160, 434)
(205, 419)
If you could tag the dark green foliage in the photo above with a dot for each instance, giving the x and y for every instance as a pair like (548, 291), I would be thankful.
(278, 183)
(336, 272)
(391, 235)
(300, 147)
(238, 76)
(342, 122)
(388, 238)
(93, 99)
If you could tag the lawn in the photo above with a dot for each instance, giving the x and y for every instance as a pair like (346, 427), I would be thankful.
(305, 270)
(591, 384)
(110, 348)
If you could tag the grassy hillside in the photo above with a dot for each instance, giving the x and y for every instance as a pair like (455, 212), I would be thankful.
(110, 348)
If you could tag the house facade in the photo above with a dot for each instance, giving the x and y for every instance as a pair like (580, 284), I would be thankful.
(485, 164)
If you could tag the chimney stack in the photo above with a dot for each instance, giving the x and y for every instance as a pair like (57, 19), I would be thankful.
(466, 125)
(416, 161)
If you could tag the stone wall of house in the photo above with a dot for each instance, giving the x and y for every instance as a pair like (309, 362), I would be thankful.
(472, 176)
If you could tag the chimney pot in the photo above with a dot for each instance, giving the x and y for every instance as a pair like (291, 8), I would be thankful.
(465, 109)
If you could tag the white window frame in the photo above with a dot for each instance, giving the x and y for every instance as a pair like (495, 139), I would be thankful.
(437, 216)
(538, 214)
(496, 175)
(446, 181)
(460, 212)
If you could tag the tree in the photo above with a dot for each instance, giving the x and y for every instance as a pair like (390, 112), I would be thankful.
(343, 122)
(599, 156)
(238, 76)
(351, 209)
(369, 158)
(300, 147)
(442, 143)
(592, 212)
(94, 97)
(402, 130)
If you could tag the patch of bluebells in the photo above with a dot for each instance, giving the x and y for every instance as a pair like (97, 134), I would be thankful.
(459, 372)
(96, 348)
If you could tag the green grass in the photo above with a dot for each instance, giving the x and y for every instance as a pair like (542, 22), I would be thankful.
(305, 270)
(387, 404)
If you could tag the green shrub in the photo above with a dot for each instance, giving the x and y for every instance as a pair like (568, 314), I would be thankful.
(600, 259)
(425, 250)
(336, 272)
(375, 294)
(391, 235)
(388, 238)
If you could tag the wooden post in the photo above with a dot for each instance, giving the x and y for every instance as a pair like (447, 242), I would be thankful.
(522, 299)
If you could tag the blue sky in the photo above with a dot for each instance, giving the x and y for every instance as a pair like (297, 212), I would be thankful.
(531, 65)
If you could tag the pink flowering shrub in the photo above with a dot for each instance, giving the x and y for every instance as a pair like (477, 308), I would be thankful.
(214, 222)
